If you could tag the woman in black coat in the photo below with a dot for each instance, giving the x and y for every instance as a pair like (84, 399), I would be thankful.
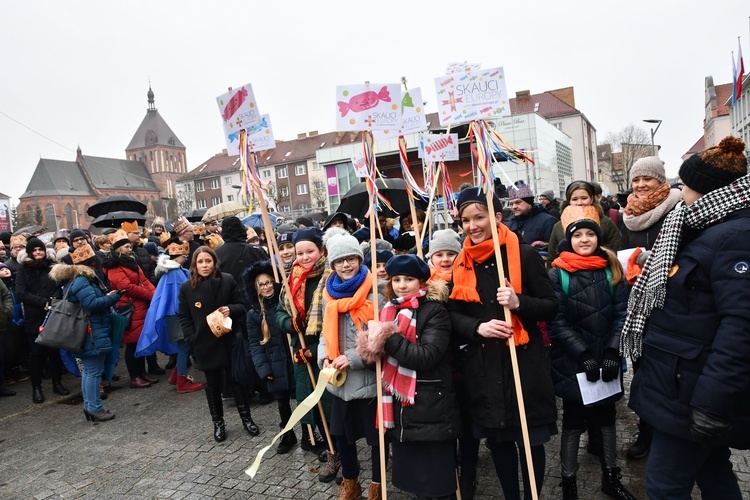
(487, 392)
(207, 290)
(34, 288)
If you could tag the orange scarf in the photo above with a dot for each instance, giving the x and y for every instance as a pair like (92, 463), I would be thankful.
(437, 275)
(639, 206)
(572, 262)
(465, 279)
(359, 308)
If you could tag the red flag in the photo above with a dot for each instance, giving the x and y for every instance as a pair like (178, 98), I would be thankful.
(740, 72)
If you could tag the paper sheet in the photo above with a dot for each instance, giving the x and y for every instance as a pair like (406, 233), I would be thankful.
(624, 255)
(591, 392)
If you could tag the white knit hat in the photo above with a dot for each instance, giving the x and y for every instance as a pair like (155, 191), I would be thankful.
(445, 239)
(340, 244)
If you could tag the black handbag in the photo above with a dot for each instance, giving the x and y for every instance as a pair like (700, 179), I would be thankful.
(126, 312)
(65, 326)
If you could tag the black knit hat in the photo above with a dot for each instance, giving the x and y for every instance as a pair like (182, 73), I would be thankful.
(33, 243)
(715, 167)
(407, 265)
(476, 195)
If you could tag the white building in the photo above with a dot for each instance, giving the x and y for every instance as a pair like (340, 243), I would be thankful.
(739, 114)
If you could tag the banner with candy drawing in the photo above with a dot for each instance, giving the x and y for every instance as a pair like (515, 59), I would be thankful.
(413, 119)
(360, 165)
(259, 138)
(439, 147)
(372, 106)
(463, 67)
(238, 110)
(471, 96)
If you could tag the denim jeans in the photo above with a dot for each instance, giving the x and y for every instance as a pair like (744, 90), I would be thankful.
(675, 465)
(91, 378)
(183, 352)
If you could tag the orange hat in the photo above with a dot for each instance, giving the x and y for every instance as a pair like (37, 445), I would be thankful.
(130, 227)
(175, 249)
(164, 237)
(214, 241)
(251, 234)
(19, 240)
(199, 229)
(181, 225)
(82, 253)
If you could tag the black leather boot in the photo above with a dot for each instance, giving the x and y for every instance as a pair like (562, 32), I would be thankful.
(611, 485)
(242, 398)
(287, 442)
(37, 395)
(216, 409)
(467, 482)
(570, 488)
(642, 445)
(60, 389)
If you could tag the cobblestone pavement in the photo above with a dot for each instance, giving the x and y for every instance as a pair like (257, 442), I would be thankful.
(160, 446)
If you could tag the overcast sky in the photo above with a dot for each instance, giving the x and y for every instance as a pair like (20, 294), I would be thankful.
(77, 72)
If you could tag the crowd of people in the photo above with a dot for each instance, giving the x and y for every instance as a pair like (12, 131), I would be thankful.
(547, 275)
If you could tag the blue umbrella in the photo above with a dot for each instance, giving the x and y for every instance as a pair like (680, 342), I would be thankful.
(256, 220)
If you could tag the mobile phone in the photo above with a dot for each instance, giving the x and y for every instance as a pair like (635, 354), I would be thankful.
(122, 291)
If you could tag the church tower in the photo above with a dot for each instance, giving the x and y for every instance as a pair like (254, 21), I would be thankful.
(161, 151)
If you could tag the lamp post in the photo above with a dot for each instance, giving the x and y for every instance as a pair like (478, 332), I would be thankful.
(653, 133)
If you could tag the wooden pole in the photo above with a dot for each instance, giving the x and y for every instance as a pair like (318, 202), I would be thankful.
(512, 345)
(435, 180)
(412, 209)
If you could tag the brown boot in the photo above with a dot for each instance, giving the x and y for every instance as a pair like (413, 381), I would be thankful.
(374, 492)
(350, 490)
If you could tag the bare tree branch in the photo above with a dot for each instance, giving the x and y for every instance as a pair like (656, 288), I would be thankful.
(628, 145)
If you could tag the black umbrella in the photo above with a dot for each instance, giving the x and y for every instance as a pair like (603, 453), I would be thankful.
(117, 203)
(195, 215)
(356, 202)
(115, 219)
(30, 229)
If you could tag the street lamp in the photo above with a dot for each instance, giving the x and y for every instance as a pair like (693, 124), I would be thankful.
(653, 133)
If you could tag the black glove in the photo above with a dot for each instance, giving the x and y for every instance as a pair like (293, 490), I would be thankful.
(706, 428)
(611, 365)
(590, 366)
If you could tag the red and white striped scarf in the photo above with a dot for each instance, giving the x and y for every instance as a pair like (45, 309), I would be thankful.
(398, 381)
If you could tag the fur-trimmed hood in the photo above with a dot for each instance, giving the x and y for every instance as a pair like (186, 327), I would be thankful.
(164, 264)
(437, 291)
(23, 257)
(63, 273)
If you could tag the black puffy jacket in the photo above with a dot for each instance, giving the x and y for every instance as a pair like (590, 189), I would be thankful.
(434, 415)
(590, 318)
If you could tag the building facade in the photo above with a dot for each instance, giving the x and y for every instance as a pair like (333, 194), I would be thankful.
(739, 114)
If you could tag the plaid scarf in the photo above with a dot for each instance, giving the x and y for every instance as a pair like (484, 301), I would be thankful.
(297, 283)
(650, 290)
(398, 381)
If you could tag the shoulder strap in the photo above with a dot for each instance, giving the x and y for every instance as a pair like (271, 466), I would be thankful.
(608, 271)
(564, 280)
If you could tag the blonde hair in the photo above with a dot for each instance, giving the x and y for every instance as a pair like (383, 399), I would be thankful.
(264, 329)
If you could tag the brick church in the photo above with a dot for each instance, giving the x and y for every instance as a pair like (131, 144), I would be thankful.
(62, 191)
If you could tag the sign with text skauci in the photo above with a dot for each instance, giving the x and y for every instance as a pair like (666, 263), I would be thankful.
(472, 95)
(438, 147)
(373, 106)
(239, 111)
(259, 138)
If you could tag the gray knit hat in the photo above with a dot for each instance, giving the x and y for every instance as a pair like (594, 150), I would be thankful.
(445, 239)
(549, 194)
(340, 244)
(650, 166)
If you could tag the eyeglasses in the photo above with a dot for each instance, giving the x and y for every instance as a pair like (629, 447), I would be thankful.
(351, 260)
(265, 285)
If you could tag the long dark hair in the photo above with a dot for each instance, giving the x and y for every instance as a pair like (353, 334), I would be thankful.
(589, 188)
(195, 278)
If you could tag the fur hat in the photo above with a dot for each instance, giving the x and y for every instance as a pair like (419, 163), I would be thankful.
(519, 190)
(476, 195)
(82, 254)
(130, 227)
(5, 238)
(649, 166)
(176, 249)
(340, 244)
(577, 217)
(715, 167)
(445, 239)
(408, 265)
(405, 242)
(233, 230)
(19, 240)
(338, 216)
(309, 234)
(118, 239)
(181, 225)
(250, 275)
(33, 243)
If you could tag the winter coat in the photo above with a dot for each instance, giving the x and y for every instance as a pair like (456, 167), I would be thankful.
(553, 208)
(590, 319)
(211, 352)
(360, 377)
(273, 358)
(235, 257)
(6, 307)
(644, 238)
(82, 286)
(126, 274)
(611, 237)
(145, 262)
(486, 388)
(696, 349)
(434, 415)
(34, 288)
(536, 225)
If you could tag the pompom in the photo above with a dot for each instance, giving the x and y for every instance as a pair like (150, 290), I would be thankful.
(731, 144)
(334, 231)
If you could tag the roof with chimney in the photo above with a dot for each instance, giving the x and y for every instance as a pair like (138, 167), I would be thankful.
(549, 104)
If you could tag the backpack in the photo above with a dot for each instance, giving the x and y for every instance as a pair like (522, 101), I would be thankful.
(565, 280)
